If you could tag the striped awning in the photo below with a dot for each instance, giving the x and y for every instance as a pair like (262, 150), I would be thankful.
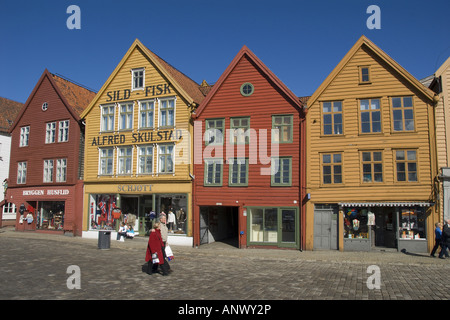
(387, 204)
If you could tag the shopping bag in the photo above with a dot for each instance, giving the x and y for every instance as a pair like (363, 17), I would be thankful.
(155, 258)
(169, 253)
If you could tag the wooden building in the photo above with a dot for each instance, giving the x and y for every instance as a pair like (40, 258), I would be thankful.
(138, 148)
(371, 156)
(46, 168)
(248, 164)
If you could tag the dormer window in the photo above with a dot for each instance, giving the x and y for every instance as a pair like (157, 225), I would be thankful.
(137, 79)
(364, 74)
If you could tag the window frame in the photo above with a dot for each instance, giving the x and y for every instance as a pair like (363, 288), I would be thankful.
(214, 183)
(50, 133)
(370, 111)
(136, 70)
(61, 170)
(211, 132)
(22, 167)
(230, 172)
(402, 108)
(124, 159)
(272, 176)
(290, 128)
(146, 111)
(63, 130)
(332, 166)
(234, 128)
(332, 113)
(24, 139)
(172, 155)
(126, 116)
(145, 156)
(406, 162)
(372, 164)
(48, 168)
(361, 75)
(107, 157)
(111, 121)
(160, 109)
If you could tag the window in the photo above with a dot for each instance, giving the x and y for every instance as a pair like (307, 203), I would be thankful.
(372, 164)
(238, 175)
(214, 131)
(403, 113)
(50, 133)
(145, 160)
(364, 75)
(63, 135)
(61, 170)
(137, 78)
(332, 117)
(106, 161)
(126, 116)
(239, 130)
(108, 118)
(9, 211)
(48, 171)
(124, 160)
(166, 158)
(412, 223)
(406, 164)
(370, 115)
(167, 112)
(281, 171)
(213, 172)
(332, 168)
(247, 89)
(147, 114)
(284, 124)
(264, 224)
(24, 136)
(21, 172)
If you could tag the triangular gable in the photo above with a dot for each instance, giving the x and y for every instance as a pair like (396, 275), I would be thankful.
(56, 87)
(184, 85)
(363, 41)
(262, 67)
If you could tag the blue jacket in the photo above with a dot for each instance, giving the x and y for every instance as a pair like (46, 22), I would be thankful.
(438, 233)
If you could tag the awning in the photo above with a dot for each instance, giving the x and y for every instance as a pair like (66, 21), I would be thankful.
(387, 204)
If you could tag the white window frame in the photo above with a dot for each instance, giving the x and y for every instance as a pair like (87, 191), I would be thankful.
(63, 131)
(100, 161)
(159, 154)
(22, 172)
(9, 211)
(48, 171)
(153, 102)
(50, 132)
(133, 71)
(125, 157)
(24, 136)
(160, 100)
(145, 156)
(110, 122)
(61, 170)
(128, 126)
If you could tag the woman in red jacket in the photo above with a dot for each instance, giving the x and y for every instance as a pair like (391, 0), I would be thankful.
(156, 245)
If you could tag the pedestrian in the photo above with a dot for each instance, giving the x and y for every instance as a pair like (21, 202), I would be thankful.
(156, 246)
(445, 239)
(437, 238)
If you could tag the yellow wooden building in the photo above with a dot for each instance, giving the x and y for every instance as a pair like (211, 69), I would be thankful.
(138, 150)
(371, 157)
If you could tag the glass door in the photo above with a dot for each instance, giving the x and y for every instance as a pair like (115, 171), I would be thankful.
(288, 227)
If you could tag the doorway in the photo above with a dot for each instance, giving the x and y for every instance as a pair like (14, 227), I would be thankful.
(385, 226)
(325, 227)
(219, 224)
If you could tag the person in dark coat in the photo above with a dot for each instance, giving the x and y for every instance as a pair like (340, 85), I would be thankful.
(156, 245)
(445, 240)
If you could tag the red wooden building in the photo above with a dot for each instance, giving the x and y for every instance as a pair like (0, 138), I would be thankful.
(248, 159)
(46, 166)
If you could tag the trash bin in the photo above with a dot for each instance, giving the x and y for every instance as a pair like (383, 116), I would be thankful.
(104, 239)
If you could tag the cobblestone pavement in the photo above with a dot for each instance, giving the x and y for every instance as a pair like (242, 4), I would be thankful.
(35, 266)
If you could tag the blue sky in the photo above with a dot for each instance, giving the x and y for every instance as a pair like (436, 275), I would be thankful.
(300, 41)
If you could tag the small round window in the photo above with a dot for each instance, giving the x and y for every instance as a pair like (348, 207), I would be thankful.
(44, 106)
(247, 89)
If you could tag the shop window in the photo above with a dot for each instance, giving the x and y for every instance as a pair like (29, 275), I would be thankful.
(370, 115)
(48, 171)
(107, 118)
(355, 223)
(281, 171)
(240, 133)
(101, 211)
(332, 168)
(24, 136)
(264, 225)
(406, 165)
(372, 166)
(284, 124)
(145, 165)
(138, 78)
(63, 135)
(403, 113)
(50, 132)
(167, 113)
(50, 215)
(124, 160)
(106, 162)
(61, 170)
(165, 158)
(146, 111)
(332, 118)
(22, 172)
(213, 172)
(214, 131)
(238, 175)
(412, 223)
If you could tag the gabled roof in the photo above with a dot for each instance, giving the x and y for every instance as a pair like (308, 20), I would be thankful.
(74, 97)
(9, 109)
(187, 88)
(261, 66)
(363, 41)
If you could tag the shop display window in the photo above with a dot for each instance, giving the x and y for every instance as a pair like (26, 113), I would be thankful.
(412, 223)
(355, 223)
(101, 212)
(50, 215)
(264, 224)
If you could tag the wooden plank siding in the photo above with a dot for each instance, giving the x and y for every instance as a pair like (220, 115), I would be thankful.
(343, 84)
(227, 102)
